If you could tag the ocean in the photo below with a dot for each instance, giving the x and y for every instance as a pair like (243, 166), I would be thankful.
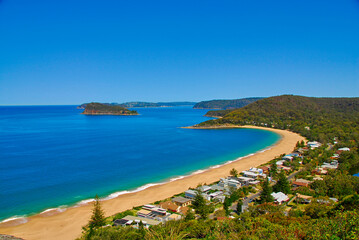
(53, 156)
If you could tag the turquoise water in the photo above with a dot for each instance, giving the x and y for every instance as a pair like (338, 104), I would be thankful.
(52, 155)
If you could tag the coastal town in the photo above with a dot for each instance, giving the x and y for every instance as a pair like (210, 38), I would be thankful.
(288, 177)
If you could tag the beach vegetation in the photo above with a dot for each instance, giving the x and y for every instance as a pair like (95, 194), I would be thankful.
(233, 172)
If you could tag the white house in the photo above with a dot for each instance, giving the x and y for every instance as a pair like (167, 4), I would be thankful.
(314, 144)
(280, 197)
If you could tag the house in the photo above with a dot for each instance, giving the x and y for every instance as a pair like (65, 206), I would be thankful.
(294, 154)
(204, 188)
(120, 222)
(134, 221)
(344, 149)
(320, 171)
(174, 217)
(301, 183)
(265, 169)
(329, 166)
(226, 183)
(287, 158)
(170, 206)
(219, 198)
(244, 180)
(280, 162)
(254, 182)
(284, 168)
(250, 174)
(279, 197)
(256, 170)
(317, 178)
(155, 211)
(190, 193)
(144, 213)
(183, 202)
(215, 194)
(314, 144)
(303, 198)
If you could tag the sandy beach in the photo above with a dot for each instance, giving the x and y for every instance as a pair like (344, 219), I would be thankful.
(68, 224)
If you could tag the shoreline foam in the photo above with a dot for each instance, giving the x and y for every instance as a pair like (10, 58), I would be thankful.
(74, 217)
(60, 209)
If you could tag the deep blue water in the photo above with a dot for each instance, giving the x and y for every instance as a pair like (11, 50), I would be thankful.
(53, 155)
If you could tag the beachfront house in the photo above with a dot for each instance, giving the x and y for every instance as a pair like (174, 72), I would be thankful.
(190, 193)
(229, 183)
(155, 211)
(135, 221)
(170, 206)
(204, 188)
(287, 158)
(244, 180)
(280, 162)
(250, 174)
(183, 202)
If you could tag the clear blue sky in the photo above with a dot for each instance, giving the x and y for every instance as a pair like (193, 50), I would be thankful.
(70, 52)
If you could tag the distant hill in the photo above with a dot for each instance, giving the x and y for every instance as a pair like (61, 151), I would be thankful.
(158, 104)
(104, 109)
(144, 104)
(226, 104)
(309, 116)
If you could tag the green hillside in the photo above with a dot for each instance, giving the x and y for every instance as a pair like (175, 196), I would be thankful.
(225, 104)
(315, 118)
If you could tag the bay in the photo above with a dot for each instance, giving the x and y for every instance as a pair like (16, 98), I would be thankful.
(52, 155)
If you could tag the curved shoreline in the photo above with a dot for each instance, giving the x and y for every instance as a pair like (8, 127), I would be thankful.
(67, 224)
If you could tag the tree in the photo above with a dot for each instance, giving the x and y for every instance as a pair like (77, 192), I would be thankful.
(273, 170)
(282, 185)
(266, 192)
(226, 204)
(239, 206)
(200, 206)
(233, 172)
(98, 215)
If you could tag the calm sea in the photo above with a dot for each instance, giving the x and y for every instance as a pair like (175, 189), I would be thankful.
(52, 155)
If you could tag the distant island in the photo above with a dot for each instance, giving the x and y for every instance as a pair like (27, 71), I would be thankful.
(226, 104)
(144, 104)
(104, 109)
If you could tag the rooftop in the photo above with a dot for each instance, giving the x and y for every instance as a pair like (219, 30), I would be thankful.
(181, 199)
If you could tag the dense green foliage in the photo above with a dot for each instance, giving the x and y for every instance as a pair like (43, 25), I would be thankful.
(226, 104)
(282, 184)
(99, 108)
(319, 119)
(272, 224)
(200, 206)
(266, 192)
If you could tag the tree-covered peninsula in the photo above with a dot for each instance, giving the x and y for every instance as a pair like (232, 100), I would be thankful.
(320, 119)
(103, 109)
(226, 104)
